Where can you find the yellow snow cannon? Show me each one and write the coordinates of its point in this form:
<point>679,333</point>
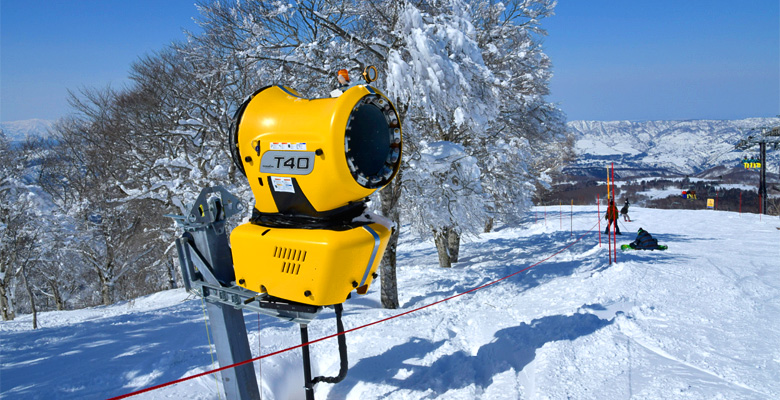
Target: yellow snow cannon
<point>311,163</point>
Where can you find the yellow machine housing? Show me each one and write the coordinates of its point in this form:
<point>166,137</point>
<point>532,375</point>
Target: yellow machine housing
<point>318,267</point>
<point>310,164</point>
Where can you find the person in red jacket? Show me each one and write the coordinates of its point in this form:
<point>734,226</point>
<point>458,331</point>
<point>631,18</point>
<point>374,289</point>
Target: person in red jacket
<point>612,217</point>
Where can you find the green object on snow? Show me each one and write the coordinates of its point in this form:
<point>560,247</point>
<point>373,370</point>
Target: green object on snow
<point>625,247</point>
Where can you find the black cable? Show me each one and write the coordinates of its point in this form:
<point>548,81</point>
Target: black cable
<point>342,352</point>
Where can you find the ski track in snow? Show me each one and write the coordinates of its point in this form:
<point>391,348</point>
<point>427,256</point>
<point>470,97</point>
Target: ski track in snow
<point>699,320</point>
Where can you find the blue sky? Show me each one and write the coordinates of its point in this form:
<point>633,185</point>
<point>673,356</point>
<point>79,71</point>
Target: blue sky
<point>665,59</point>
<point>50,46</point>
<point>612,59</point>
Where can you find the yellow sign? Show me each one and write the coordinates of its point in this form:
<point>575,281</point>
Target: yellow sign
<point>749,165</point>
<point>710,203</point>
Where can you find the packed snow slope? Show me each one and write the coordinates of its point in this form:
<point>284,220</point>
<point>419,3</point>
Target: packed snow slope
<point>698,321</point>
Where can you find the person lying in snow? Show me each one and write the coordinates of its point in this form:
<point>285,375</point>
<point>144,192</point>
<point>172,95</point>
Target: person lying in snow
<point>644,241</point>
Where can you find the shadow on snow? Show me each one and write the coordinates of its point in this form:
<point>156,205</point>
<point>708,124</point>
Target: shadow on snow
<point>486,260</point>
<point>133,351</point>
<point>511,349</point>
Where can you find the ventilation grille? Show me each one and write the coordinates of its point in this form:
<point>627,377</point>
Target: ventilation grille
<point>293,258</point>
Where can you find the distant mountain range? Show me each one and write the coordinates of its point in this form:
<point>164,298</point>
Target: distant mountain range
<point>18,131</point>
<point>663,148</point>
<point>648,148</point>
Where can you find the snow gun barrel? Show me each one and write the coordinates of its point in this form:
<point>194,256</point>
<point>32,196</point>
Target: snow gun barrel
<point>311,163</point>
<point>306,148</point>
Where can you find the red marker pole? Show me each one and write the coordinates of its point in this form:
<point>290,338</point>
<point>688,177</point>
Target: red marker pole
<point>609,240</point>
<point>740,204</point>
<point>614,198</point>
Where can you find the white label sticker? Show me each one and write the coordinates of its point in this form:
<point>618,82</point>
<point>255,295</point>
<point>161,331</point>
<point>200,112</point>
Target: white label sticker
<point>287,162</point>
<point>282,184</point>
<point>288,146</point>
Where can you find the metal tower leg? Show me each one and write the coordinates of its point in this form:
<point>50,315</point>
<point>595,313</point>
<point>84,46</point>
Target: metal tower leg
<point>762,180</point>
<point>308,385</point>
<point>204,251</point>
<point>230,340</point>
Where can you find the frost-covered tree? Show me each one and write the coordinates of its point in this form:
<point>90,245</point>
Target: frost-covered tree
<point>449,178</point>
<point>128,156</point>
<point>23,228</point>
<point>449,92</point>
<point>9,225</point>
<point>194,90</point>
<point>512,132</point>
<point>528,141</point>
<point>17,253</point>
<point>113,233</point>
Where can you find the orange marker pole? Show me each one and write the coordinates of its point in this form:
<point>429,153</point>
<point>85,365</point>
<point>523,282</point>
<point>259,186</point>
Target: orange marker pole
<point>598,215</point>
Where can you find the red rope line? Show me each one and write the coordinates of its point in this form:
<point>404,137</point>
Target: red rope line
<point>162,385</point>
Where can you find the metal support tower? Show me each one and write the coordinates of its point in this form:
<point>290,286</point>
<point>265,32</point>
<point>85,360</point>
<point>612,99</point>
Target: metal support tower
<point>768,136</point>
<point>762,180</point>
<point>205,243</point>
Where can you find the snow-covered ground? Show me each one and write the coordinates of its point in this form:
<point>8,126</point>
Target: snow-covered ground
<point>698,321</point>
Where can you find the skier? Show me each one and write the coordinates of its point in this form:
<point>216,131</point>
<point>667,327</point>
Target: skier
<point>611,217</point>
<point>624,212</point>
